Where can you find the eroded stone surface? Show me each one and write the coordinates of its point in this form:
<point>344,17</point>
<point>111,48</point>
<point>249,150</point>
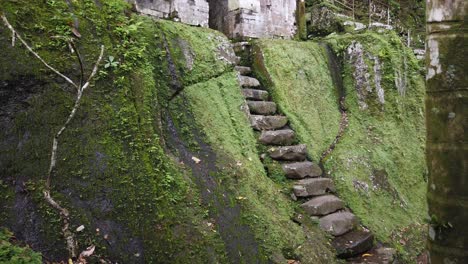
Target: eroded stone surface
<point>323,205</point>
<point>254,94</point>
<point>192,12</point>
<point>243,70</point>
<point>353,243</point>
<point>289,153</point>
<point>313,187</point>
<point>277,137</point>
<point>300,170</point>
<point>338,223</point>
<point>262,108</point>
<point>261,122</point>
<point>247,81</point>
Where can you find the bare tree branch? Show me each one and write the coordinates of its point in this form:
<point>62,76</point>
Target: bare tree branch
<point>13,31</point>
<point>64,213</point>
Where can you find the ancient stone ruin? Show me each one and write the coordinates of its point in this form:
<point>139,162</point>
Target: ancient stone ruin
<point>235,18</point>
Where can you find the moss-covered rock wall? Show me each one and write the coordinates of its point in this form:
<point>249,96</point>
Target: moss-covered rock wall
<point>159,164</point>
<point>378,164</point>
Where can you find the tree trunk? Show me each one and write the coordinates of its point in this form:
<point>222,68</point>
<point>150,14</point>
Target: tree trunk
<point>446,110</point>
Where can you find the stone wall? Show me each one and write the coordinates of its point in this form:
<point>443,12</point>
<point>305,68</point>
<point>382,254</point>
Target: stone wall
<point>235,18</point>
<point>260,18</point>
<point>192,12</point>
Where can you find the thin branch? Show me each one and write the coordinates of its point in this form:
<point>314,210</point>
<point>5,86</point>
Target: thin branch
<point>95,69</point>
<point>80,61</point>
<point>53,158</point>
<point>13,31</point>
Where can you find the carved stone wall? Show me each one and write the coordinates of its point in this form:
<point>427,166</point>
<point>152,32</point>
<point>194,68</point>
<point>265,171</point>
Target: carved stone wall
<point>192,12</point>
<point>258,18</point>
<point>235,18</point>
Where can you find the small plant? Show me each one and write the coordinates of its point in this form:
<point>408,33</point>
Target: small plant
<point>111,63</point>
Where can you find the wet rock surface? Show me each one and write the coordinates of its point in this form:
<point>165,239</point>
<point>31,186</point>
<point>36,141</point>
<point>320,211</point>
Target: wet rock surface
<point>338,223</point>
<point>289,153</point>
<point>313,187</point>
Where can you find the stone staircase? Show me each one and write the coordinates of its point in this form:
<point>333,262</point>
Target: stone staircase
<point>315,192</point>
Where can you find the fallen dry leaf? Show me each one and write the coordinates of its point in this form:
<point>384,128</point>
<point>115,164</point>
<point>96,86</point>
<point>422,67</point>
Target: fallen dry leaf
<point>196,160</point>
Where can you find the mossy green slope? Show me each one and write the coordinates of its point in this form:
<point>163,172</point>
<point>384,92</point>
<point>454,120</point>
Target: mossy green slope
<point>297,76</point>
<point>115,172</point>
<point>112,173</point>
<point>378,165</point>
<point>217,110</point>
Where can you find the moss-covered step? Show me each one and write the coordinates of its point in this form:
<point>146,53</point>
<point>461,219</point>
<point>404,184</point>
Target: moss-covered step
<point>323,205</point>
<point>339,223</point>
<point>277,137</point>
<point>262,107</point>
<point>247,81</point>
<point>301,170</point>
<point>261,122</point>
<point>289,153</point>
<point>313,187</point>
<point>255,94</point>
<point>243,70</point>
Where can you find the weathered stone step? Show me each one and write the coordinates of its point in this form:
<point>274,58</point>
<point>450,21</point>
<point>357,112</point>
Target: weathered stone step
<point>323,205</point>
<point>243,70</point>
<point>339,223</point>
<point>353,243</point>
<point>247,81</point>
<point>254,94</point>
<point>262,107</point>
<point>277,137</point>
<point>379,255</point>
<point>300,170</point>
<point>313,187</point>
<point>289,153</point>
<point>261,122</point>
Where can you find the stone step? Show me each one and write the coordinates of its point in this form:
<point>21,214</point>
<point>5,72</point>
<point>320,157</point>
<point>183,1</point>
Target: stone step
<point>277,137</point>
<point>261,122</point>
<point>300,170</point>
<point>353,243</point>
<point>313,187</point>
<point>323,205</point>
<point>289,153</point>
<point>339,223</point>
<point>247,81</point>
<point>254,94</point>
<point>262,107</point>
<point>378,255</point>
<point>243,70</point>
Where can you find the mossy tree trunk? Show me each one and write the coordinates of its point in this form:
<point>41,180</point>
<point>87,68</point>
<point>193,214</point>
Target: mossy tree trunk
<point>446,111</point>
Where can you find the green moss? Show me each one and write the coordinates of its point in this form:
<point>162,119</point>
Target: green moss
<point>15,254</point>
<point>378,166</point>
<point>112,171</point>
<point>297,76</point>
<point>216,108</point>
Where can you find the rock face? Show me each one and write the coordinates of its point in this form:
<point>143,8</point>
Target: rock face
<point>300,170</point>
<point>289,153</point>
<point>339,223</point>
<point>323,205</point>
<point>254,18</point>
<point>260,122</point>
<point>262,108</point>
<point>353,243</point>
<point>247,81</point>
<point>277,137</point>
<point>192,12</point>
<point>254,94</point>
<point>312,187</point>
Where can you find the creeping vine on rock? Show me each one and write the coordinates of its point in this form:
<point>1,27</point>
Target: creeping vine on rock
<point>80,88</point>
